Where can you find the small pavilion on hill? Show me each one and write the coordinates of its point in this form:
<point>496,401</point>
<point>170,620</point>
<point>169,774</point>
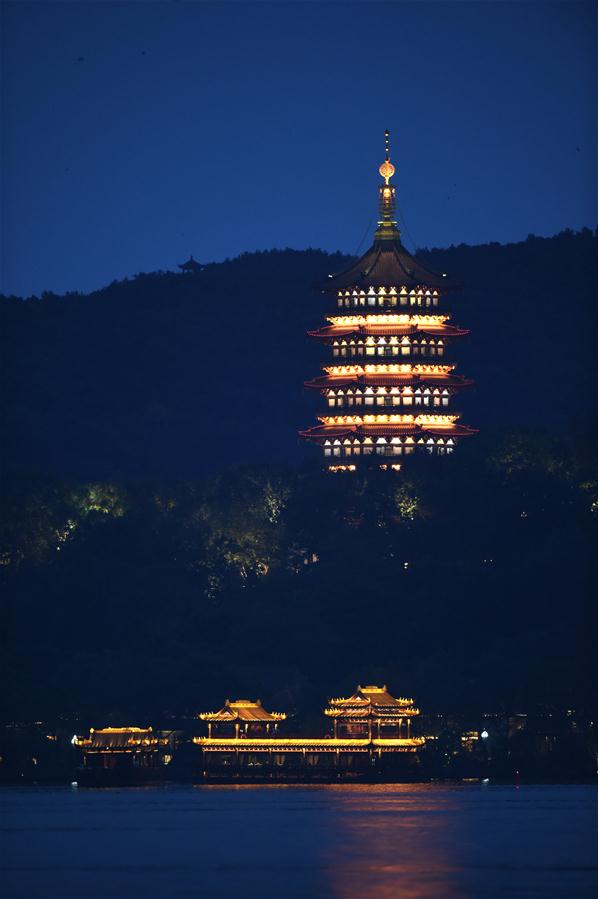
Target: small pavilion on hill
<point>191,266</point>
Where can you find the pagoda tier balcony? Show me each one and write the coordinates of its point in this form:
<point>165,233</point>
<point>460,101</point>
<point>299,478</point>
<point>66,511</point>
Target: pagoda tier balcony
<point>410,371</point>
<point>360,302</point>
<point>380,403</point>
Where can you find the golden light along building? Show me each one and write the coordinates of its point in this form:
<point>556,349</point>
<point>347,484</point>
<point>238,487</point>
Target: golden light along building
<point>124,750</point>
<point>372,712</point>
<point>389,341</point>
<point>371,735</point>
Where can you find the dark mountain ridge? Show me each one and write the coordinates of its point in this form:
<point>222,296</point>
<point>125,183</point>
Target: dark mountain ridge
<point>174,375</point>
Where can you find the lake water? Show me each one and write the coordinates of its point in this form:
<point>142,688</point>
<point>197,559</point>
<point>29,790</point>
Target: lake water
<point>274,842</point>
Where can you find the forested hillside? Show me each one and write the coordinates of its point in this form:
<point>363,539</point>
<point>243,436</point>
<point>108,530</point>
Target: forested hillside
<point>167,542</point>
<point>174,375</point>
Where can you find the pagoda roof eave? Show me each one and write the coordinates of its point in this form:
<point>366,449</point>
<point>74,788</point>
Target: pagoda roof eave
<point>319,433</point>
<point>332,331</point>
<point>386,264</point>
<point>455,381</point>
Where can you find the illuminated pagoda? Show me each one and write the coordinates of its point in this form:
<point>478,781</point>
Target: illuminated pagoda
<point>242,717</point>
<point>372,712</point>
<point>390,386</point>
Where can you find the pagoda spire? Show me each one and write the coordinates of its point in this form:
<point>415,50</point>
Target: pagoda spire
<point>387,226</point>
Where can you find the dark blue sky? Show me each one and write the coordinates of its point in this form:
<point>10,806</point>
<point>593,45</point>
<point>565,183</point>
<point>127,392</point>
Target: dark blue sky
<point>137,133</point>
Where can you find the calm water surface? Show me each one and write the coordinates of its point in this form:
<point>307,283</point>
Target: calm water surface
<point>358,842</point>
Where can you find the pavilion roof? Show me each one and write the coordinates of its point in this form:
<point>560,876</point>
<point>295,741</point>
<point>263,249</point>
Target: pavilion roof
<point>190,265</point>
<point>386,264</point>
<point>242,710</point>
<point>370,701</point>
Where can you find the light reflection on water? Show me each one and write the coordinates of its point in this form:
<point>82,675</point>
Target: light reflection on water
<point>285,842</point>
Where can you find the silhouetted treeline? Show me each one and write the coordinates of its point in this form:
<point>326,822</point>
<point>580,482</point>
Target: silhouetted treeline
<point>172,376</point>
<point>467,582</point>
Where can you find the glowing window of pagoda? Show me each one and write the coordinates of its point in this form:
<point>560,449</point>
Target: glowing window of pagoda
<point>396,441</point>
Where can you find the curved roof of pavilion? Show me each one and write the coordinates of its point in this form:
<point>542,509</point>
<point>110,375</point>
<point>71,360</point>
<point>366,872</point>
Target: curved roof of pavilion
<point>122,737</point>
<point>370,700</point>
<point>386,264</point>
<point>191,265</point>
<point>242,710</point>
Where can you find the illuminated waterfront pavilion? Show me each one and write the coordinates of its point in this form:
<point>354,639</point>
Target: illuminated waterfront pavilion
<point>391,383</point>
<point>242,717</point>
<point>371,728</point>
<point>372,712</point>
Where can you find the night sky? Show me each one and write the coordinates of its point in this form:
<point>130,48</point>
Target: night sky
<point>137,133</point>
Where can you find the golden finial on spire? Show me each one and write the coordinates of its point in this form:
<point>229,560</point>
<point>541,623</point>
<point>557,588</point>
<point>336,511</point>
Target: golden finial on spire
<point>387,169</point>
